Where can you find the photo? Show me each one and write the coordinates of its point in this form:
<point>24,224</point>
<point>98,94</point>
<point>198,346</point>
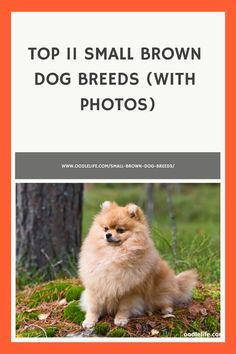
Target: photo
<point>101,261</point>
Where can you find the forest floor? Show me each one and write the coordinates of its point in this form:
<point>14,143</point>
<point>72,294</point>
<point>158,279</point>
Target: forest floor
<point>52,310</point>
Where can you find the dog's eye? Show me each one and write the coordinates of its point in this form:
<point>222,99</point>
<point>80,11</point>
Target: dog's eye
<point>106,228</point>
<point>120,230</point>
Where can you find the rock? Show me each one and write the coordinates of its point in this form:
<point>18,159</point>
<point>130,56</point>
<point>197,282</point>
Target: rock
<point>85,333</point>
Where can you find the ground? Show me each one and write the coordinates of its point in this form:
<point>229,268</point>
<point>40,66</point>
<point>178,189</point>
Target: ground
<point>52,310</point>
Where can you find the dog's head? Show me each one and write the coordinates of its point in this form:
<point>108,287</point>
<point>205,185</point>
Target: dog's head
<point>119,223</point>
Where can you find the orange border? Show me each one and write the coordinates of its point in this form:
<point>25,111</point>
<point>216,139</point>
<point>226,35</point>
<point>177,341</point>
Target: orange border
<point>228,6</point>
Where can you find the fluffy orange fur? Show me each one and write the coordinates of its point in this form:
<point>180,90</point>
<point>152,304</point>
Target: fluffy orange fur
<point>122,271</point>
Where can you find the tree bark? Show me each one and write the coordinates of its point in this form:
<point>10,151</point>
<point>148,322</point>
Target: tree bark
<point>48,226</point>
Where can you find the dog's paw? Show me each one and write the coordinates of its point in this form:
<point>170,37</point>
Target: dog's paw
<point>118,321</point>
<point>166,310</point>
<point>87,324</point>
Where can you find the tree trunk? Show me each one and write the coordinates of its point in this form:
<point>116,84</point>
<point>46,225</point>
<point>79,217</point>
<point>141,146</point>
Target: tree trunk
<point>48,227</point>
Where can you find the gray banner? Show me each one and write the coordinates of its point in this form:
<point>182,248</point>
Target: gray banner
<point>108,165</point>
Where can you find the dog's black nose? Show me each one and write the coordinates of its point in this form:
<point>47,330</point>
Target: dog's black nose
<point>108,236</point>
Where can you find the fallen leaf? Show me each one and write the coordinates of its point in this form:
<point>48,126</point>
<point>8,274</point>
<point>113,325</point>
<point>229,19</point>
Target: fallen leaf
<point>203,311</point>
<point>194,309</point>
<point>154,332</point>
<point>43,316</point>
<point>151,323</point>
<point>168,315</point>
<point>62,302</point>
<point>209,305</point>
<point>170,325</point>
<point>138,327</point>
<point>30,310</point>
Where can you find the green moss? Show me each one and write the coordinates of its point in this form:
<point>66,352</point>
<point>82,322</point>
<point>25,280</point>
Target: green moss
<point>33,333</point>
<point>73,293</point>
<point>54,291</point>
<point>212,324</point>
<point>210,291</point>
<point>49,292</point>
<point>118,332</point>
<point>25,316</point>
<point>46,332</point>
<point>73,313</point>
<point>102,328</point>
<point>51,331</point>
<point>199,295</point>
<point>213,291</point>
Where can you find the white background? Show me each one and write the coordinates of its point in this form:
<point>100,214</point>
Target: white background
<point>186,118</point>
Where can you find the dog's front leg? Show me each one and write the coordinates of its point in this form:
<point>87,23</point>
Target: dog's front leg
<point>92,311</point>
<point>124,311</point>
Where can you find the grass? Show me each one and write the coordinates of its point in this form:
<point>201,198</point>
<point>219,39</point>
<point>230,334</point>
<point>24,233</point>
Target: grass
<point>25,316</point>
<point>102,328</point>
<point>64,318</point>
<point>73,293</point>
<point>197,213</point>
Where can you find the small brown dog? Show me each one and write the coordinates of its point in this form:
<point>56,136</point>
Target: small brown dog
<point>122,271</point>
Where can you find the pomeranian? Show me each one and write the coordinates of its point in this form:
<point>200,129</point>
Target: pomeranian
<point>122,271</point>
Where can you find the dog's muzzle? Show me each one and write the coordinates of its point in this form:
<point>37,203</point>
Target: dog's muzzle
<point>111,239</point>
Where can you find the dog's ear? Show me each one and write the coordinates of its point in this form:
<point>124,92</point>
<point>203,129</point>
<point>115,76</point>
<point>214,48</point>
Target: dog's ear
<point>135,212</point>
<point>132,209</point>
<point>107,205</point>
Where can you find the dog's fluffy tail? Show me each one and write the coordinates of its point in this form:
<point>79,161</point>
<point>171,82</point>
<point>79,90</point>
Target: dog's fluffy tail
<point>186,282</point>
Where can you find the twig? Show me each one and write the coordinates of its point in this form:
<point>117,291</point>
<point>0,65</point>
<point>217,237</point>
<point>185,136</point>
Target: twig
<point>52,266</point>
